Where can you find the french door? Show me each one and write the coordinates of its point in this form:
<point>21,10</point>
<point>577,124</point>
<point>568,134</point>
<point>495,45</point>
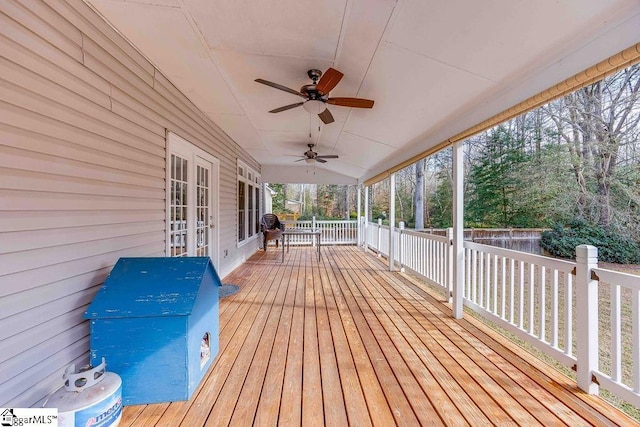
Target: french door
<point>192,200</point>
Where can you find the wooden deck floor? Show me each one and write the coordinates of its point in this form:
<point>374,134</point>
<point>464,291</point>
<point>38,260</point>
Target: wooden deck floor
<point>345,342</point>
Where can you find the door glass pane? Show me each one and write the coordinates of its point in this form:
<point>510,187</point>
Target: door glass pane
<point>202,211</point>
<point>257,210</point>
<point>250,210</point>
<point>178,206</point>
<point>241,231</point>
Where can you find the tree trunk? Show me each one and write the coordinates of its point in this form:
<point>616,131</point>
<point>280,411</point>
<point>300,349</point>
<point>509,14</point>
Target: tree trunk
<point>346,202</point>
<point>418,195</point>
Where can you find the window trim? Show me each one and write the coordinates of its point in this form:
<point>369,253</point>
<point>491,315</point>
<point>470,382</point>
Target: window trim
<point>252,182</point>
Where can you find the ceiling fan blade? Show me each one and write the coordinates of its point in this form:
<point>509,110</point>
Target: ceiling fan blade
<point>351,102</point>
<point>299,160</point>
<point>328,156</point>
<point>320,160</point>
<point>326,116</point>
<point>278,86</point>
<point>286,107</point>
<point>329,80</point>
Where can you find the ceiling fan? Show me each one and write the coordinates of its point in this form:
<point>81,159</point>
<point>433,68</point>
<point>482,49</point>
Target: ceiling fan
<point>316,95</point>
<point>311,156</point>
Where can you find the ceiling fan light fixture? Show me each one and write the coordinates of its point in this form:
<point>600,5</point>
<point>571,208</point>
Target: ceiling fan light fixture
<point>314,106</point>
<point>308,160</point>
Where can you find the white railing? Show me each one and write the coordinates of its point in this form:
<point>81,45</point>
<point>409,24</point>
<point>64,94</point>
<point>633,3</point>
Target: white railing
<point>529,295</point>
<point>618,368</point>
<point>585,317</point>
<point>427,255</point>
<point>333,232</point>
<point>378,238</point>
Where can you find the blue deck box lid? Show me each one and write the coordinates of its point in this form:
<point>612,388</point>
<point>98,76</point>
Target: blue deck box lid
<point>149,287</point>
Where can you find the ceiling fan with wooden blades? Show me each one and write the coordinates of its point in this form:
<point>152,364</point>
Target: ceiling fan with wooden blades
<point>316,95</point>
<point>311,156</point>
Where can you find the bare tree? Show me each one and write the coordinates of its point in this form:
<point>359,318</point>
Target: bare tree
<point>418,195</point>
<point>596,122</point>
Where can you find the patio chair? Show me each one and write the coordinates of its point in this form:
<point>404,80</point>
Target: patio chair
<point>272,229</point>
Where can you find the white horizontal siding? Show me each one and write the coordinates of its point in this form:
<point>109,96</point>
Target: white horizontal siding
<point>35,220</point>
<point>83,120</point>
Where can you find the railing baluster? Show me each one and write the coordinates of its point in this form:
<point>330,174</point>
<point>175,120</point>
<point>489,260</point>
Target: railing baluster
<point>512,272</point>
<point>521,297</point>
<point>481,280</point>
<point>434,256</point>
<point>430,259</point>
<point>494,272</point>
<point>487,282</point>
<point>503,286</point>
<point>436,259</point>
<point>469,279</point>
<point>616,328</point>
<point>568,314</point>
<point>417,254</point>
<point>635,330</point>
<point>440,262</point>
<point>531,297</point>
<point>542,303</point>
<point>474,279</point>
<point>554,309</point>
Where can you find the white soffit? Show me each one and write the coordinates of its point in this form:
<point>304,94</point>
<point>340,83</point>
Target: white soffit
<point>166,37</point>
<point>495,38</point>
<point>434,68</point>
<point>288,28</point>
<point>413,101</point>
<point>304,175</point>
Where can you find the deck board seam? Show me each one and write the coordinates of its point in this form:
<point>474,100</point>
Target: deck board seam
<point>366,328</point>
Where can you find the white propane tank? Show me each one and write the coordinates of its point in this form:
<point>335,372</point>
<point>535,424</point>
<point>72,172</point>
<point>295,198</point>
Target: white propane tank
<point>89,397</point>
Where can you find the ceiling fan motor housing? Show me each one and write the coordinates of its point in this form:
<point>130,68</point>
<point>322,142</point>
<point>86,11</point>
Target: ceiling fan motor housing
<point>310,154</point>
<point>311,91</point>
<point>314,74</point>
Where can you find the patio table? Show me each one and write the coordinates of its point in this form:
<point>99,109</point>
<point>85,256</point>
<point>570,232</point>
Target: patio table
<point>286,236</point>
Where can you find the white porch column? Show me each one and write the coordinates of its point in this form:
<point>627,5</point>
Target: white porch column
<point>458,230</point>
<point>392,217</point>
<point>586,317</point>
<point>366,218</point>
<point>358,218</point>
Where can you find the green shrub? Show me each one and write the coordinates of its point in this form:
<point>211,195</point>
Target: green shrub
<point>612,247</point>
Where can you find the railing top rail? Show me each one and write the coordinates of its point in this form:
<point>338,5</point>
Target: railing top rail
<point>560,265</point>
<point>631,281</point>
<point>488,229</point>
<point>376,224</point>
<point>323,221</point>
<point>427,236</point>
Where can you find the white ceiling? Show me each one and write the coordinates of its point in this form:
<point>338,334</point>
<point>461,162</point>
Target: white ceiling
<point>433,67</point>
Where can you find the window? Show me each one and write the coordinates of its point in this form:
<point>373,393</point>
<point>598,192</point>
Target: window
<point>256,210</point>
<point>241,210</point>
<point>248,203</point>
